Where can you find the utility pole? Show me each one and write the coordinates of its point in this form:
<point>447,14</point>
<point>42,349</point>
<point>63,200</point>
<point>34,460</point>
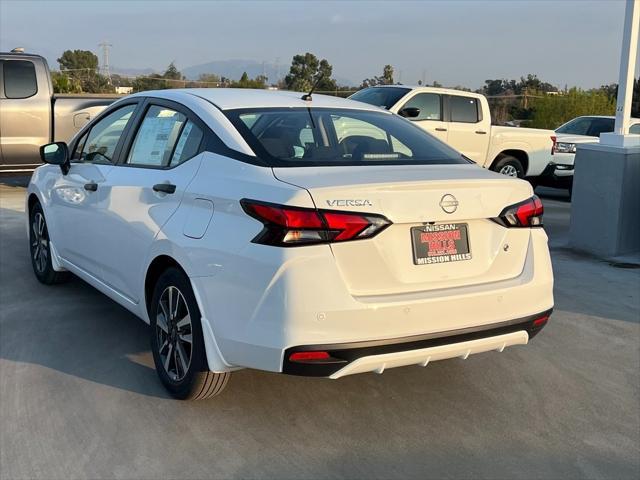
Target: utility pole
<point>105,59</point>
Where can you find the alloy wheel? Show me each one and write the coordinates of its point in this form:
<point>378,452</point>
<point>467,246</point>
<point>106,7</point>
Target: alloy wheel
<point>39,242</point>
<point>509,171</point>
<point>174,333</point>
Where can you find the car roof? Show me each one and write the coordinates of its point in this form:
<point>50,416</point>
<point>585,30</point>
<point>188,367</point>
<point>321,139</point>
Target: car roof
<point>610,117</point>
<point>237,98</point>
<point>427,89</point>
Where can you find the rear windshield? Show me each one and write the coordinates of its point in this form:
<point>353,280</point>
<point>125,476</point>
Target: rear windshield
<point>319,136</point>
<point>385,97</point>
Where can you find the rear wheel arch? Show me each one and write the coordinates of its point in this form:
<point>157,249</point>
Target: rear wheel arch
<point>33,200</point>
<point>155,269</point>
<point>520,155</point>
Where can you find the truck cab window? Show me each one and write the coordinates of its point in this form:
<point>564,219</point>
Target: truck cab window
<point>464,109</point>
<point>19,79</point>
<point>429,105</point>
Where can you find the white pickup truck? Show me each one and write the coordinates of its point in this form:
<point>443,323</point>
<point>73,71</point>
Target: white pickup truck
<point>462,120</point>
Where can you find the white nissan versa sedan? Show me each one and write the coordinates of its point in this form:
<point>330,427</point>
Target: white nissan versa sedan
<point>304,235</point>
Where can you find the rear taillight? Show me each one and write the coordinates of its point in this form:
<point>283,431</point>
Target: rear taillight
<point>554,139</point>
<point>286,226</point>
<point>522,215</point>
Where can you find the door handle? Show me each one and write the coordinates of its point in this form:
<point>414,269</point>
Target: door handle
<point>440,129</point>
<point>481,132</point>
<point>164,188</point>
<point>91,187</point>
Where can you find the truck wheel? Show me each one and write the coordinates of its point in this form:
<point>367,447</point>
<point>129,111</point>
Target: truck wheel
<point>509,166</point>
<point>177,342</point>
<point>40,249</point>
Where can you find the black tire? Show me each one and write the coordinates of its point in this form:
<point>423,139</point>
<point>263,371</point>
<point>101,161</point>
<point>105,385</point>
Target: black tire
<point>173,305</point>
<point>40,249</point>
<point>510,166</point>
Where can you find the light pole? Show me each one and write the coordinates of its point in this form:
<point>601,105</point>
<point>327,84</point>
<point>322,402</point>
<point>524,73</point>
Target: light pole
<point>628,58</point>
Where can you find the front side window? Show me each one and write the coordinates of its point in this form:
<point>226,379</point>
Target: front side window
<point>19,79</point>
<point>327,136</point>
<point>385,97</point>
<point>103,138</point>
<point>464,109</point>
<point>428,104</point>
<point>635,129</point>
<point>165,138</point>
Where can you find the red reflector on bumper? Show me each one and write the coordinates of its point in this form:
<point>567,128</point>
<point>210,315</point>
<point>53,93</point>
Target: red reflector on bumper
<point>308,356</point>
<point>538,322</point>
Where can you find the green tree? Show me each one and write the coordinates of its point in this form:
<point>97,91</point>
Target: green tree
<point>550,111</point>
<point>81,67</point>
<point>611,91</point>
<point>245,82</point>
<point>150,82</point>
<point>172,73</point>
<point>63,83</point>
<point>78,60</point>
<point>306,70</point>
<point>385,79</point>
<point>387,75</point>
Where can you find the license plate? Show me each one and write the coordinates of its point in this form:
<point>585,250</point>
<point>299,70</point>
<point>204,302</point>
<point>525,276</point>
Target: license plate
<point>441,243</point>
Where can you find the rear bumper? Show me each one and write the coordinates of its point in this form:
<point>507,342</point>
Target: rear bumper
<point>376,356</point>
<point>288,300</point>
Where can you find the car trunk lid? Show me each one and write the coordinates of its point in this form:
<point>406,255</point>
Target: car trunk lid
<point>441,197</point>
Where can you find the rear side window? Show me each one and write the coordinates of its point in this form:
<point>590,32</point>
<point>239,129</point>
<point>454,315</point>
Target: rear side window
<point>464,109</point>
<point>428,104</point>
<point>19,79</point>
<point>165,138</point>
<point>635,129</point>
<point>601,125</point>
<point>325,136</point>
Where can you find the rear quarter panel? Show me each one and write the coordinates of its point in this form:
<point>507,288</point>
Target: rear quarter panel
<point>71,113</point>
<point>534,142</point>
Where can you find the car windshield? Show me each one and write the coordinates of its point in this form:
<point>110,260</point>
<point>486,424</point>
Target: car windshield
<point>322,136</point>
<point>385,97</point>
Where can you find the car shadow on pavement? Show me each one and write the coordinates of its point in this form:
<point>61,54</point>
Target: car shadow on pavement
<point>70,327</point>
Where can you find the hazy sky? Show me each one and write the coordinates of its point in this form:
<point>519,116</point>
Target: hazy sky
<point>454,42</point>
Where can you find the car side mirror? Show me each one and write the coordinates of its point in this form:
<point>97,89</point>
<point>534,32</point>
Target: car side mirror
<point>409,112</point>
<point>56,154</point>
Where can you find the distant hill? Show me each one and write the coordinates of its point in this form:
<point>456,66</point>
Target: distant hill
<point>134,72</point>
<point>234,69</point>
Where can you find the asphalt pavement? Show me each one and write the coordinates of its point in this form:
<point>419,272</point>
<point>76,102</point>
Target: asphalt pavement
<point>79,397</point>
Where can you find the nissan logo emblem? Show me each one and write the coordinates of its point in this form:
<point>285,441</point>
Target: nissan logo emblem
<point>448,203</point>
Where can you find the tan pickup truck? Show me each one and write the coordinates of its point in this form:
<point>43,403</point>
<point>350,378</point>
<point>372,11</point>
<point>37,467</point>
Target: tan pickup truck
<point>31,115</point>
